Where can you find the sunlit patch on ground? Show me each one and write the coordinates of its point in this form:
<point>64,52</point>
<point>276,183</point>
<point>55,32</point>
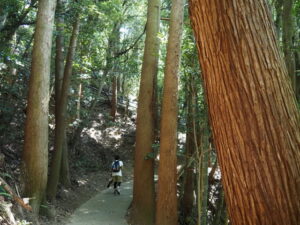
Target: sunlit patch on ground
<point>94,134</point>
<point>82,182</point>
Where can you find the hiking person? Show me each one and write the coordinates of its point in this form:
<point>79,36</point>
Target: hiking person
<point>117,174</point>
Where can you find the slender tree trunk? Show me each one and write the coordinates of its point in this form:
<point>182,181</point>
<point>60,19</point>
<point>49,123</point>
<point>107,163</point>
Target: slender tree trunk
<point>287,40</point>
<point>114,98</point>
<point>12,71</point>
<point>79,100</point>
<point>65,171</point>
<point>109,61</point>
<point>59,57</point>
<point>278,20</point>
<point>188,193</point>
<point>100,88</point>
<point>116,75</point>
<point>166,210</point>
<point>143,188</point>
<point>252,109</point>
<point>127,107</point>
<point>203,169</point>
<point>60,126</point>
<point>220,217</point>
<point>59,74</point>
<point>3,18</point>
<point>119,84</point>
<point>199,142</point>
<point>106,70</point>
<point>35,153</point>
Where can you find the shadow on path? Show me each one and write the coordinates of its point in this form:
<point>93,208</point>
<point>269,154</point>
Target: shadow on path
<point>105,208</point>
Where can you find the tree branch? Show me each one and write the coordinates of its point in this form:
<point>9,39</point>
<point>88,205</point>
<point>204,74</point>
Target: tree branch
<point>15,197</point>
<point>116,55</point>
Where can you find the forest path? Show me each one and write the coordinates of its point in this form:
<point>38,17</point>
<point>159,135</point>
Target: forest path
<point>105,208</point>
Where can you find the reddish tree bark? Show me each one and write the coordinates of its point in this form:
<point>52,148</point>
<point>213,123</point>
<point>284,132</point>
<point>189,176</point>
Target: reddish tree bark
<point>166,207</point>
<point>252,110</point>
<point>143,207</point>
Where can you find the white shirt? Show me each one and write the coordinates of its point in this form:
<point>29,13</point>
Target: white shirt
<point>120,172</point>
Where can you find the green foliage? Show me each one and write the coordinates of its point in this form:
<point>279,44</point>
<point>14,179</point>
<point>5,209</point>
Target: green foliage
<point>153,155</point>
<point>150,155</point>
<point>5,175</point>
<point>23,222</point>
<point>3,192</point>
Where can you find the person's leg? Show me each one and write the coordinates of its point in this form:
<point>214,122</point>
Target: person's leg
<point>109,182</point>
<point>115,180</point>
<point>119,179</point>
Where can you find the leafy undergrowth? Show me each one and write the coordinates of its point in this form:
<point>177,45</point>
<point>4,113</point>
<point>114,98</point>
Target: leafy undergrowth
<point>89,168</point>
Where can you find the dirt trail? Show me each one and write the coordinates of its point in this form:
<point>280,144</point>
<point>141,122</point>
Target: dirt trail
<point>105,208</point>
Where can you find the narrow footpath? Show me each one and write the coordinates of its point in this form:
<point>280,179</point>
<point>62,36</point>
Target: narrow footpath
<point>105,208</point>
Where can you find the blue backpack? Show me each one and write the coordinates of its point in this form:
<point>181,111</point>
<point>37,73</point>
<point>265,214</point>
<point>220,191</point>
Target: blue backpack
<point>116,166</point>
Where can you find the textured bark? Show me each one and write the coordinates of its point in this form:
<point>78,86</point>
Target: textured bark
<point>156,108</point>
<point>252,110</point>
<point>287,40</point>
<point>166,208</point>
<point>298,88</point>
<point>60,126</point>
<point>143,189</point>
<point>65,171</point>
<point>59,56</point>
<point>59,74</point>
<point>35,153</point>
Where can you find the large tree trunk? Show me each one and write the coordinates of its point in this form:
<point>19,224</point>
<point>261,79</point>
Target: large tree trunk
<point>166,210</point>
<point>35,153</point>
<point>143,189</point>
<point>252,110</point>
<point>60,126</point>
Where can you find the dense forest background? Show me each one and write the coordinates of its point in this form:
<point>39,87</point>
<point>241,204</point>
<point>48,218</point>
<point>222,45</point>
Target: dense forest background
<point>96,66</point>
